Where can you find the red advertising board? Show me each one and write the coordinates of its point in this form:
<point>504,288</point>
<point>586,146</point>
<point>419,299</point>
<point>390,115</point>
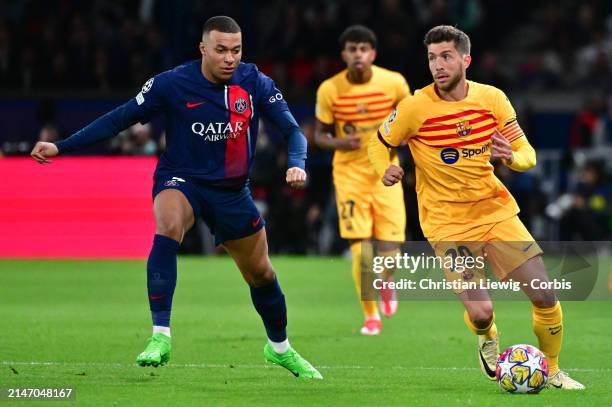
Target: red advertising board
<point>76,207</point>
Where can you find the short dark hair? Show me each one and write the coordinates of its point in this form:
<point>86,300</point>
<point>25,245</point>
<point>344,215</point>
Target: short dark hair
<point>444,33</point>
<point>222,24</point>
<point>357,33</point>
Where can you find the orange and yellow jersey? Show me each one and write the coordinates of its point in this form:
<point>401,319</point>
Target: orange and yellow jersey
<point>359,108</point>
<point>450,143</point>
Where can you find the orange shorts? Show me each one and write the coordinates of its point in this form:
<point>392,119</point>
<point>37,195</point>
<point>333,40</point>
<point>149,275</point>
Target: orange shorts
<point>371,210</point>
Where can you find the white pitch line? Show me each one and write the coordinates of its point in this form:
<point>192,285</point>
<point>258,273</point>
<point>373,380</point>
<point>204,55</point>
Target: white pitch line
<point>237,366</point>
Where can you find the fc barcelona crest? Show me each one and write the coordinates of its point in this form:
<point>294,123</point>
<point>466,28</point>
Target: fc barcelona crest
<point>362,107</point>
<point>240,105</point>
<point>463,128</point>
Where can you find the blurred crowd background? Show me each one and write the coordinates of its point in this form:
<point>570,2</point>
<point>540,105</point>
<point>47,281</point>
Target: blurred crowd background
<point>65,62</point>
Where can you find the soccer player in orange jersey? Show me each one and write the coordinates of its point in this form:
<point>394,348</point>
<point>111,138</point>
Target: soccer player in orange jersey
<point>454,127</point>
<point>351,105</point>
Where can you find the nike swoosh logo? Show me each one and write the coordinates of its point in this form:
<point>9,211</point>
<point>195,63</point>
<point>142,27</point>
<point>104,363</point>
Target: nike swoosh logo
<point>488,371</point>
<point>190,105</point>
<point>527,247</point>
<point>558,387</point>
<point>156,297</point>
<point>255,223</point>
<point>554,331</point>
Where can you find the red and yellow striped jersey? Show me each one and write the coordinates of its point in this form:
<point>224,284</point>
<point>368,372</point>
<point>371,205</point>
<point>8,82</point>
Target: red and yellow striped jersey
<point>359,108</point>
<point>450,143</point>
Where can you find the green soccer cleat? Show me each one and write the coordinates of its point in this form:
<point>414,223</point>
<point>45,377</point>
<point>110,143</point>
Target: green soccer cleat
<point>293,362</point>
<point>157,351</point>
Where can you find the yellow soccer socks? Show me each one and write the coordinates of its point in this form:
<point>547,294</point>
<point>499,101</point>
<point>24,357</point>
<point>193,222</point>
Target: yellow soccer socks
<point>362,269</point>
<point>548,327</point>
<point>489,332</point>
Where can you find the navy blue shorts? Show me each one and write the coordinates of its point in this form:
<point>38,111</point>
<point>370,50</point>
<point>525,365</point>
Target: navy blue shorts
<point>229,213</point>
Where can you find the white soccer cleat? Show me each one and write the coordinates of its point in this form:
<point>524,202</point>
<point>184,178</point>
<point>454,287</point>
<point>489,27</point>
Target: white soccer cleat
<point>562,380</point>
<point>488,353</point>
<point>371,327</point>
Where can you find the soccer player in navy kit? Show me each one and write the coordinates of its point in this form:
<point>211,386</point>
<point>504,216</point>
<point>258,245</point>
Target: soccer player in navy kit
<point>212,108</point>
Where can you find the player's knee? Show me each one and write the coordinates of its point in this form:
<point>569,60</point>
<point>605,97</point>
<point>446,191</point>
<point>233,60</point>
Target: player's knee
<point>482,314</point>
<point>384,246</point>
<point>262,274</point>
<point>171,227</point>
<point>545,299</point>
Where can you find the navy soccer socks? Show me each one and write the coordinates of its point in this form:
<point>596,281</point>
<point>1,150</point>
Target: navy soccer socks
<point>161,278</point>
<point>269,302</point>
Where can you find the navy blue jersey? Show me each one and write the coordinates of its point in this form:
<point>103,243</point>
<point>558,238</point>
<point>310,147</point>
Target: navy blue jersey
<point>211,129</point>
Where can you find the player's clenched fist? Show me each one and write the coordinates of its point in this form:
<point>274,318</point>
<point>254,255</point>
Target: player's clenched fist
<point>501,148</point>
<point>393,175</point>
<point>43,150</point>
<point>296,177</point>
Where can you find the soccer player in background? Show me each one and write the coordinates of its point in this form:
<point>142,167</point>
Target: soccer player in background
<point>212,108</point>
<point>454,127</point>
<point>351,105</point>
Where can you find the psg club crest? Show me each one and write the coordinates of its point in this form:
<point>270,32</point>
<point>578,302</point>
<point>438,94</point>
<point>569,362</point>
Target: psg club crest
<point>240,105</point>
<point>463,128</point>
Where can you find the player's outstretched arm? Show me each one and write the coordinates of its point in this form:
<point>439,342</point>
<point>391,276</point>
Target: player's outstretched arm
<point>139,109</point>
<point>42,151</point>
<point>104,127</point>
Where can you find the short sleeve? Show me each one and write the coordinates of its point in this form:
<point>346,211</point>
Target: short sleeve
<point>399,125</point>
<point>323,108</point>
<point>150,99</point>
<point>270,99</point>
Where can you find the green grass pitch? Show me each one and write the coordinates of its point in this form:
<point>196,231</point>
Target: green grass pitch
<point>82,323</point>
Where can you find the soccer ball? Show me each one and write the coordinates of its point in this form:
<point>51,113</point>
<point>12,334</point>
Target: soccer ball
<point>522,369</point>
